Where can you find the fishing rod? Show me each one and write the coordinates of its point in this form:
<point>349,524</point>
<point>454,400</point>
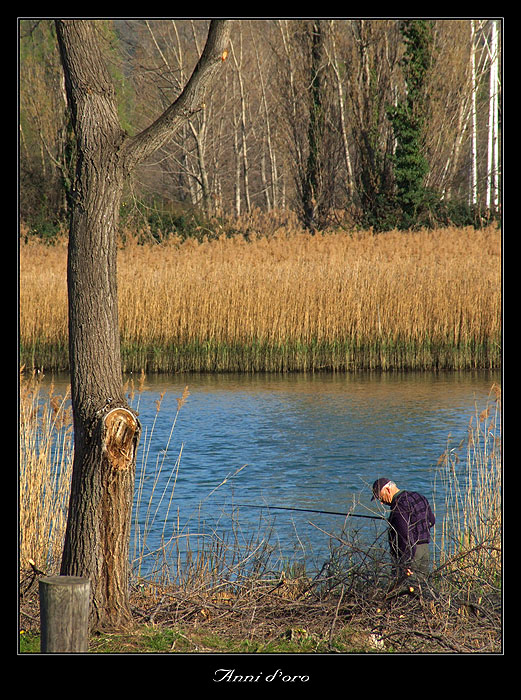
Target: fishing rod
<point>309,510</point>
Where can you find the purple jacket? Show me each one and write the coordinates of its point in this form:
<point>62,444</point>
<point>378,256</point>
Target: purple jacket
<point>410,521</point>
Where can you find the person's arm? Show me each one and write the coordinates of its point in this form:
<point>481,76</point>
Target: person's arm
<point>399,521</point>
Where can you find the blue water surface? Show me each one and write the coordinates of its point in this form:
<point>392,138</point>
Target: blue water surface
<point>305,441</point>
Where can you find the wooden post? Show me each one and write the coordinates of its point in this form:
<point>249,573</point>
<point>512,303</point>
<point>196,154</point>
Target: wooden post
<point>64,614</point>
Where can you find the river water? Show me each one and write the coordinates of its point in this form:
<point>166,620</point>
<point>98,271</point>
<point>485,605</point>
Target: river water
<point>306,441</point>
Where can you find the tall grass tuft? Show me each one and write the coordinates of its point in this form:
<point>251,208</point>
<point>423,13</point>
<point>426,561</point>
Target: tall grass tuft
<point>46,453</point>
<point>470,476</point>
<point>286,301</point>
<point>187,557</point>
<point>142,527</point>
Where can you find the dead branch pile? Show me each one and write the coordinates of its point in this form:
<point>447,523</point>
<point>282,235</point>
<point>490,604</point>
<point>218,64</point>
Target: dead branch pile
<point>454,611</point>
<point>440,615</point>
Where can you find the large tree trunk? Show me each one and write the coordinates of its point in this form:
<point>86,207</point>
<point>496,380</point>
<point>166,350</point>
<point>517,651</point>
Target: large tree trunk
<point>106,431</point>
<point>97,535</point>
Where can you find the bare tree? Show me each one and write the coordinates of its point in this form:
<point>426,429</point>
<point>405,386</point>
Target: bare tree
<point>106,430</point>
<point>271,185</point>
<point>473,193</point>
<point>334,62</point>
<point>237,56</point>
<point>372,58</point>
<point>493,139</point>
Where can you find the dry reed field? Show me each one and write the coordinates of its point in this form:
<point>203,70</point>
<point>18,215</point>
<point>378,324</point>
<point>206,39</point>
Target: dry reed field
<point>288,301</point>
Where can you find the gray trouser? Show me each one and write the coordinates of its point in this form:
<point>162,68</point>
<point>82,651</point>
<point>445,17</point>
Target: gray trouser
<point>419,565</point>
<point>421,561</point>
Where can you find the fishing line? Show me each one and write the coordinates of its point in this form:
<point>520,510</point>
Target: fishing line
<point>305,510</point>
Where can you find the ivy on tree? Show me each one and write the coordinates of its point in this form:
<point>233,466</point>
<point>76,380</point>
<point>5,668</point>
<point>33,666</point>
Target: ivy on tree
<point>408,122</point>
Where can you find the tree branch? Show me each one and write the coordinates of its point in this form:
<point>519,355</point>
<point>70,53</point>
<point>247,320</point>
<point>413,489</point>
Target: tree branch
<point>137,148</point>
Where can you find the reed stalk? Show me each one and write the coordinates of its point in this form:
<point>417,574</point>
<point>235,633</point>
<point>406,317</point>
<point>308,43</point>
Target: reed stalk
<point>470,475</point>
<point>46,454</point>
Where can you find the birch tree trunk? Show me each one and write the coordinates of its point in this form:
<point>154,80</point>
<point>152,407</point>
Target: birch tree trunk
<point>270,185</point>
<point>341,110</point>
<point>202,179</point>
<point>244,145</point>
<point>492,157</point>
<point>474,127</point>
<point>106,430</point>
<point>495,146</point>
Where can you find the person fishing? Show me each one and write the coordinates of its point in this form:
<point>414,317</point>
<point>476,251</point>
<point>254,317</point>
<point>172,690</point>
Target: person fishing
<point>410,521</point>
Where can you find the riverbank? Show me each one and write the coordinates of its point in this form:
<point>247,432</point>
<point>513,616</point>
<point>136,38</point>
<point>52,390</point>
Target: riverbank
<point>330,614</point>
<point>289,301</point>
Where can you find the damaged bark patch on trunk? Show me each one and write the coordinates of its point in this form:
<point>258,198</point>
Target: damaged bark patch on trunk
<point>120,436</point>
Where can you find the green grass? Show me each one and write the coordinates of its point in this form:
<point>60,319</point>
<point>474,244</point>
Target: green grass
<point>29,642</point>
<point>151,639</point>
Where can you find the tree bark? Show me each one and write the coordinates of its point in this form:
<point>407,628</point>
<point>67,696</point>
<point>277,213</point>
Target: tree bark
<point>244,144</point>
<point>492,158</point>
<point>341,111</point>
<point>474,133</point>
<point>106,430</point>
<point>312,185</point>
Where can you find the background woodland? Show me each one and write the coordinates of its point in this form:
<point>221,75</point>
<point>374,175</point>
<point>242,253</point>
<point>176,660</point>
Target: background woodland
<point>368,123</point>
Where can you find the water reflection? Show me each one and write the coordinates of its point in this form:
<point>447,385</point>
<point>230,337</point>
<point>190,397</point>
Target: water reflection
<point>314,441</point>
